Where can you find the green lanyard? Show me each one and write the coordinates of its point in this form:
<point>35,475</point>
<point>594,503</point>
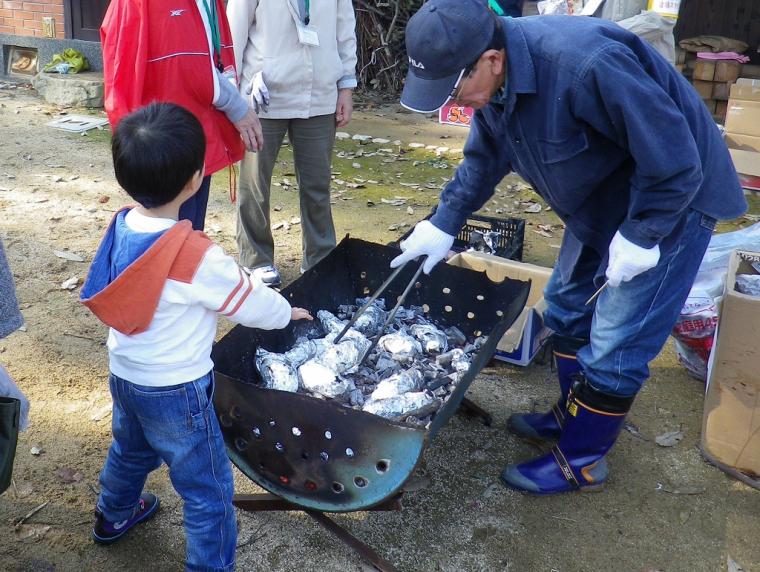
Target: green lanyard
<point>307,6</point>
<point>213,22</point>
<point>494,5</point>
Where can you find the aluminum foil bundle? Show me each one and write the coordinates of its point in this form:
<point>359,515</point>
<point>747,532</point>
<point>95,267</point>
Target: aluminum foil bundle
<point>344,356</point>
<point>455,360</point>
<point>402,347</point>
<point>304,351</point>
<point>412,371</point>
<point>398,384</point>
<point>330,322</point>
<point>417,404</point>
<point>432,339</point>
<point>276,371</point>
<point>320,380</point>
<point>370,322</point>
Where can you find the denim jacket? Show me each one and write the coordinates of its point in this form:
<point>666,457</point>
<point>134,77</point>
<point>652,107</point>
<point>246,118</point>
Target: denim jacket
<point>607,132</point>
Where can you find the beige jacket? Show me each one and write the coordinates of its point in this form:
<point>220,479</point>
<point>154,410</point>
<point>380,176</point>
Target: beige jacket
<point>302,80</point>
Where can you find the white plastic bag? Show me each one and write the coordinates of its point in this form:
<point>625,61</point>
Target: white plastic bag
<point>546,7</point>
<point>8,388</point>
<point>695,329</point>
<point>655,31</point>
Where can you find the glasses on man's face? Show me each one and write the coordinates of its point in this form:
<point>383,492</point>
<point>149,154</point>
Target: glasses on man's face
<point>456,92</point>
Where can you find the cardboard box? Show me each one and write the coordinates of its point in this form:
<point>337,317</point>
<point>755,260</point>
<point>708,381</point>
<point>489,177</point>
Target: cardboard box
<point>745,152</point>
<point>746,89</point>
<point>526,336</point>
<point>711,105</point>
<point>727,70</point>
<point>704,70</point>
<point>721,107</point>
<point>743,117</point>
<point>731,420</point>
<point>704,88</point>
<point>721,90</point>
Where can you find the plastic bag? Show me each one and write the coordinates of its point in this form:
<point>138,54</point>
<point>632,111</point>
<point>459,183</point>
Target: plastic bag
<point>748,284</point>
<point>655,31</point>
<point>694,330</point>
<point>547,7</point>
<point>617,10</point>
<point>8,388</point>
<point>74,58</point>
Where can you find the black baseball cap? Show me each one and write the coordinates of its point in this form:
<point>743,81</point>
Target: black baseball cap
<point>443,39</point>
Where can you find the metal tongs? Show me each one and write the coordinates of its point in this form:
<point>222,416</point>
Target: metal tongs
<point>374,297</point>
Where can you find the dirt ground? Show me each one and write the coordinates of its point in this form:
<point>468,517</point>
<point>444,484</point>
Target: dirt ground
<point>663,509</point>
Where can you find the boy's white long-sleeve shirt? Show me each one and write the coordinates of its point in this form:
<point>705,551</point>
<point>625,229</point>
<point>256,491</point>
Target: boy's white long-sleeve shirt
<point>176,346</point>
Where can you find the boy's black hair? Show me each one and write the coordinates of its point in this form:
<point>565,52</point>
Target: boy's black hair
<point>156,151</point>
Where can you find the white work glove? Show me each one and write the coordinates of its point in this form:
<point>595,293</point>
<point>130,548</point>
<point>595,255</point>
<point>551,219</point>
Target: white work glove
<point>628,260</point>
<point>426,240</point>
<point>258,93</point>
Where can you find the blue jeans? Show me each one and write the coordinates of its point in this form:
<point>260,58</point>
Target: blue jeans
<point>177,425</point>
<point>194,208</point>
<point>627,325</point>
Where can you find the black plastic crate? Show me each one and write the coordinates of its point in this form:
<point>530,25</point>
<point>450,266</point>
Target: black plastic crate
<point>509,244</point>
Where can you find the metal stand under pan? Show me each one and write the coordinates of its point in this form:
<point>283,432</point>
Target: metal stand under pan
<point>318,456</point>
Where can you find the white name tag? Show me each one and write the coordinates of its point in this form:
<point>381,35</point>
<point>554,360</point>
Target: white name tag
<point>308,36</point>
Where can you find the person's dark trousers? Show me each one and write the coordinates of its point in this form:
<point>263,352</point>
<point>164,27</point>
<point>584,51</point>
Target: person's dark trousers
<point>194,208</point>
<point>10,414</point>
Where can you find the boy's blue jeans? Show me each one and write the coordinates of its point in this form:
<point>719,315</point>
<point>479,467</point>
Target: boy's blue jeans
<point>177,425</point>
<point>627,325</point>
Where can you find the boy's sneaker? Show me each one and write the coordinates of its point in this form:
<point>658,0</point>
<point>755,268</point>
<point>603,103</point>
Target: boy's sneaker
<point>106,532</point>
<point>267,274</point>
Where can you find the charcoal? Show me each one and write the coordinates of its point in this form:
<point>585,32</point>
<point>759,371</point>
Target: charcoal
<point>345,311</point>
<point>440,392</point>
<point>356,398</point>
<point>455,336</point>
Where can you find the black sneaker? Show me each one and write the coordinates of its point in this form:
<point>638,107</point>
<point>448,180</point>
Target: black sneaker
<point>106,532</point>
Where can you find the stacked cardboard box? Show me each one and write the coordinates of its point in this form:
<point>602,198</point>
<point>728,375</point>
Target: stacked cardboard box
<point>731,419</point>
<point>743,130</point>
<point>713,79</point>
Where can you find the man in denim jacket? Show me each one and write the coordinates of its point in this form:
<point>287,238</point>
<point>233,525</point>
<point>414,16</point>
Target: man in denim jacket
<point>623,149</point>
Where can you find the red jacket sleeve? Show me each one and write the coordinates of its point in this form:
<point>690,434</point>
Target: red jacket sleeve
<point>124,42</point>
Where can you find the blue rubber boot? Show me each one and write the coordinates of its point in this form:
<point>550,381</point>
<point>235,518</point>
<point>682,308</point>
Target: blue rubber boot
<point>547,426</point>
<point>577,462</point>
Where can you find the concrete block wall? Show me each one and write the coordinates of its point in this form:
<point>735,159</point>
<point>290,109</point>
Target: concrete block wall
<point>22,18</point>
<point>46,47</point>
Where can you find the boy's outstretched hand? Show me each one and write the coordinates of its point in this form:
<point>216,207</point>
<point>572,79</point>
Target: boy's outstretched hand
<point>300,314</point>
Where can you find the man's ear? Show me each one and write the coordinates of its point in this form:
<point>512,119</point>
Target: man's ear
<point>495,59</point>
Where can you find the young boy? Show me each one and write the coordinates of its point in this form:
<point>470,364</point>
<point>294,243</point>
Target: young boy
<point>160,285</point>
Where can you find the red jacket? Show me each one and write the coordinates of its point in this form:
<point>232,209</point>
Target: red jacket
<point>158,50</point>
